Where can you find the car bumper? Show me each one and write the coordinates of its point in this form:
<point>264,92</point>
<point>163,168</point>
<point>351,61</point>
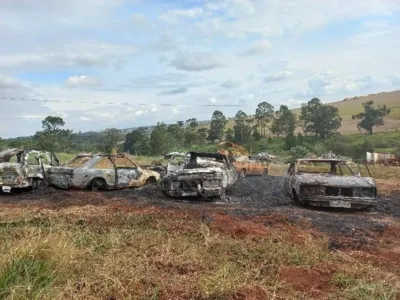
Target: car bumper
<point>8,187</point>
<point>342,202</point>
<point>194,192</point>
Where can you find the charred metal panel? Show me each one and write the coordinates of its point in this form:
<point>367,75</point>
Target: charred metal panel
<point>204,174</point>
<point>19,168</point>
<point>90,172</point>
<point>332,188</point>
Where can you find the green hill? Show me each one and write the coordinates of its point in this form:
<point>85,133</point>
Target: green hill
<point>351,106</point>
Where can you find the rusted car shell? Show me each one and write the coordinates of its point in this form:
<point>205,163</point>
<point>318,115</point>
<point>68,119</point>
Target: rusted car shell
<point>328,190</point>
<point>22,173</point>
<point>87,176</point>
<point>252,167</point>
<point>204,179</point>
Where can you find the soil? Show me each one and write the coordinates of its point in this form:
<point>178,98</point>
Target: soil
<point>253,198</point>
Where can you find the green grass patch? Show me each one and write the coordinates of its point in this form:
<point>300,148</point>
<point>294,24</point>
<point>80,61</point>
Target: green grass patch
<point>26,278</point>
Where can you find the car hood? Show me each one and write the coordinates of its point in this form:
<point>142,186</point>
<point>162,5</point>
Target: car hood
<point>60,170</point>
<point>200,171</point>
<point>339,181</point>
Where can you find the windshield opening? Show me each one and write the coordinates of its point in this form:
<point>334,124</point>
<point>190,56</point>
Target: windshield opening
<point>326,167</point>
<point>78,161</point>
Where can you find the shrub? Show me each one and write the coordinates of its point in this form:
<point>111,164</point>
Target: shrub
<point>296,153</point>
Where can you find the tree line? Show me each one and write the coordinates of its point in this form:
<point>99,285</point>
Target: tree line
<point>315,119</point>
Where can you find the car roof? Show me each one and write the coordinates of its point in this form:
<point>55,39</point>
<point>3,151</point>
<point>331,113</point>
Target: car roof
<point>321,160</point>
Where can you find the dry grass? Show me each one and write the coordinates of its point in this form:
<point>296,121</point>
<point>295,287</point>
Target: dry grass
<point>126,253</point>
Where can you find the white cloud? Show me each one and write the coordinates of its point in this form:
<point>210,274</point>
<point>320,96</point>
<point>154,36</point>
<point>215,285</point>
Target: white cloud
<point>330,83</point>
<point>72,55</point>
<point>176,15</point>
<point>175,110</point>
<point>173,53</point>
<point>258,48</point>
<point>279,76</point>
<point>212,100</point>
<point>7,82</point>
<point>194,61</point>
<point>82,80</point>
<point>231,84</point>
<point>176,91</point>
<point>32,117</point>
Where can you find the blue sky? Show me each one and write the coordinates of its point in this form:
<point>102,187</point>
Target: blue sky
<point>187,53</point>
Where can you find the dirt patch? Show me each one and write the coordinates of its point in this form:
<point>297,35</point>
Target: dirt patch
<point>388,186</point>
<point>250,293</point>
<point>237,228</point>
<point>314,282</point>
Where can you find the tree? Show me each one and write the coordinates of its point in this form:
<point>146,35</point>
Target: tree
<point>161,141</point>
<point>192,122</point>
<point>290,141</point>
<point>323,120</point>
<point>52,124</point>
<point>202,134</point>
<point>217,126</point>
<point>372,116</point>
<point>229,135</point>
<point>296,153</point>
<point>264,114</point>
<point>300,139</point>
<point>285,122</point>
<point>53,137</point>
<point>177,134</point>
<point>241,130</point>
<point>110,138</point>
<point>132,139</point>
<point>190,133</point>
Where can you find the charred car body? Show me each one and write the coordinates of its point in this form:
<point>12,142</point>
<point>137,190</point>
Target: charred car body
<point>21,168</point>
<point>245,164</point>
<point>171,162</point>
<point>204,174</point>
<point>248,166</point>
<point>101,171</point>
<point>329,183</point>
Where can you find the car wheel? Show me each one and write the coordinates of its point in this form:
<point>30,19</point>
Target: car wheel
<point>265,173</point>
<point>151,181</point>
<point>98,184</point>
<point>242,173</point>
<point>38,184</point>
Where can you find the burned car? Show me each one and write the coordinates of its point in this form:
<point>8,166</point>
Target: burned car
<point>22,168</point>
<point>329,183</point>
<point>204,174</point>
<point>248,166</point>
<point>101,171</point>
<point>170,163</point>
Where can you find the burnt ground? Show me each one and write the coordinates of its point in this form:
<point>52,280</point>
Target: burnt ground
<point>252,197</point>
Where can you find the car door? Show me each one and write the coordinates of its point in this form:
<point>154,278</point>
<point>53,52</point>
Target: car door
<point>128,173</point>
<point>103,167</point>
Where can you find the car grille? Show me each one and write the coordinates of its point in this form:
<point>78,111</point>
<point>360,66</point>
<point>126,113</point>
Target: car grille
<point>8,177</point>
<point>333,191</point>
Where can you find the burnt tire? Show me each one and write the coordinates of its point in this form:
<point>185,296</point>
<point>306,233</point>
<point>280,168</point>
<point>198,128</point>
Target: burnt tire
<point>265,173</point>
<point>296,199</point>
<point>151,181</point>
<point>98,184</point>
<point>39,184</point>
<point>242,173</point>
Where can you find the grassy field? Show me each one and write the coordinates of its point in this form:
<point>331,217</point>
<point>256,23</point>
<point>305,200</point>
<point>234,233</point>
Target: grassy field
<point>353,106</point>
<point>122,252</point>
